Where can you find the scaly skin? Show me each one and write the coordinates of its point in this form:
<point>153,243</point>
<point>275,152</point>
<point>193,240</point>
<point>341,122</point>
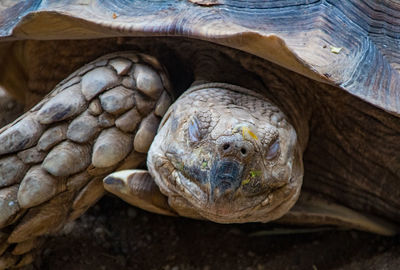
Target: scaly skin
<point>227,154</point>
<point>102,118</point>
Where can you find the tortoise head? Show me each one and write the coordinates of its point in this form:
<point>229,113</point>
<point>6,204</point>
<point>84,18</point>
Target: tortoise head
<point>227,154</point>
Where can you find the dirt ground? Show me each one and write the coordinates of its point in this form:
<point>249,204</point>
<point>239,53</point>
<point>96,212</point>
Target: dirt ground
<point>114,235</point>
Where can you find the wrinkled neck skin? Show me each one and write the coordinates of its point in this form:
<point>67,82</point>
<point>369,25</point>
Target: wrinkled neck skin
<point>228,154</point>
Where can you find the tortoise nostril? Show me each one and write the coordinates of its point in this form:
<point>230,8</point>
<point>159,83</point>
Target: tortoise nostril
<point>235,148</point>
<point>226,146</point>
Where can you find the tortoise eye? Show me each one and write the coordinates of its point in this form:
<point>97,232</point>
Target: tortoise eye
<point>273,150</point>
<point>194,130</point>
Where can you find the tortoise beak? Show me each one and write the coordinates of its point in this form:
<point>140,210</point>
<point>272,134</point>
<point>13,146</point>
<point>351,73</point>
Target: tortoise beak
<point>225,178</point>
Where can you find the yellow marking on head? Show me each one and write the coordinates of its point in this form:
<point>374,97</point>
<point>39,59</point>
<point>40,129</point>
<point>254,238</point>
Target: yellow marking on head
<point>246,130</point>
<point>245,182</point>
<point>204,164</point>
<point>255,173</point>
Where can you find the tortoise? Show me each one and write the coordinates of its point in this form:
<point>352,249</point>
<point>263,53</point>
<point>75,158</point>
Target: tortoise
<point>284,111</point>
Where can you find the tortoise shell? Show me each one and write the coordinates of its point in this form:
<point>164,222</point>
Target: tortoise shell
<point>351,44</point>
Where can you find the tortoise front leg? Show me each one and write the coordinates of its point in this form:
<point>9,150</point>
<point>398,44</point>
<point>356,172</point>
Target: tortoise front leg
<point>53,158</point>
<point>138,188</point>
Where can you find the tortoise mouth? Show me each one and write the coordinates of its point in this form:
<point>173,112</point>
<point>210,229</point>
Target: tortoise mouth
<point>198,196</point>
